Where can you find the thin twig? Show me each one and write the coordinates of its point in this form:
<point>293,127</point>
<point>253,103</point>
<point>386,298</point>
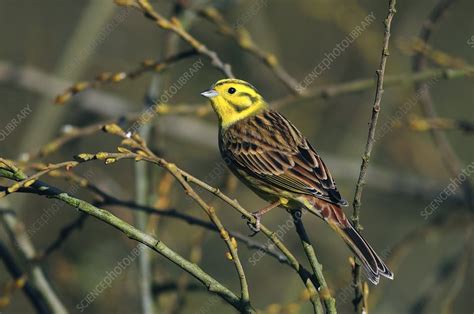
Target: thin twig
<point>195,255</point>
<point>74,57</point>
<point>142,196</point>
<point>449,221</point>
<point>106,78</point>
<point>133,233</point>
<point>293,262</point>
<point>242,37</point>
<point>31,179</point>
<point>19,237</point>
<point>33,295</point>
<point>173,213</point>
<point>430,124</point>
<point>323,289</point>
<point>447,153</point>
<point>332,90</point>
<point>460,275</point>
<point>175,26</point>
<point>143,153</point>
<point>435,56</point>
<point>439,287</point>
<point>63,236</point>
<point>369,146</point>
<point>34,80</point>
<point>108,200</point>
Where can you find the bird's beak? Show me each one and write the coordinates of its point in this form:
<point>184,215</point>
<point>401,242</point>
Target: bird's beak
<point>209,93</point>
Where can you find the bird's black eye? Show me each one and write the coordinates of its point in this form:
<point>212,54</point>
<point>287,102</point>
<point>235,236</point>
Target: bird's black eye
<point>231,90</point>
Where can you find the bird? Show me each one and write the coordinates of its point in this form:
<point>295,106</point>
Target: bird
<point>275,160</point>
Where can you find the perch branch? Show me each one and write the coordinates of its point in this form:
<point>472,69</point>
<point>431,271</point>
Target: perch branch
<point>110,201</point>
<point>139,143</point>
<point>143,153</point>
<point>358,293</point>
<point>324,292</point>
<point>212,284</point>
<point>173,213</point>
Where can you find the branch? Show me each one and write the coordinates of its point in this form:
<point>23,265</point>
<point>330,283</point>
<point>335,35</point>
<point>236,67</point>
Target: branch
<point>175,26</point>
<point>173,213</point>
<point>112,106</point>
<point>431,124</point>
<point>141,152</point>
<point>438,57</point>
<point>108,200</point>
<point>106,78</point>
<point>242,38</point>
<point>448,155</point>
<point>332,90</point>
<point>21,281</point>
<point>64,234</point>
<point>449,221</point>
<point>28,181</point>
<point>324,292</point>
<point>379,178</point>
<point>439,286</point>
<point>212,284</point>
<point>144,152</point>
<point>358,293</point>
<point>17,233</point>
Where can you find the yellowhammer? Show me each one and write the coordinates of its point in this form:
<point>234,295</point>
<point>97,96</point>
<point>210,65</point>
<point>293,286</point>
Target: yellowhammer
<point>271,156</point>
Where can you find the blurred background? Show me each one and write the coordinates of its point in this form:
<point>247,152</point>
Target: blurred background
<point>409,213</point>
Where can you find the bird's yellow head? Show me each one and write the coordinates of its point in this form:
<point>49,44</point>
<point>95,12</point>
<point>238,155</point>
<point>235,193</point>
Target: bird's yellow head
<point>234,100</point>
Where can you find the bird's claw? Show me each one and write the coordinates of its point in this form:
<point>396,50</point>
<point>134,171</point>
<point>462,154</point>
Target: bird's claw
<point>255,227</point>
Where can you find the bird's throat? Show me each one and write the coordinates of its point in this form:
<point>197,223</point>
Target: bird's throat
<point>229,114</point>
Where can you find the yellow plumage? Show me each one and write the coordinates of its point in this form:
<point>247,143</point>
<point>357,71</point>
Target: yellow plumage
<point>271,156</point>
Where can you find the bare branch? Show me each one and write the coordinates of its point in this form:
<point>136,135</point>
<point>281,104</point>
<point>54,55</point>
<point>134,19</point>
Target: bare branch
<point>243,38</point>
<point>447,153</point>
<point>369,146</point>
<point>175,26</point>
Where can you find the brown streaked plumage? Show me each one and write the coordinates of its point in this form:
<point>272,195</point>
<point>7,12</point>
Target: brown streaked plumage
<point>270,148</point>
<point>271,156</point>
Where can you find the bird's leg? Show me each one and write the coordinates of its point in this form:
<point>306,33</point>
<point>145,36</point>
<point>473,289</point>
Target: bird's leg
<point>258,216</point>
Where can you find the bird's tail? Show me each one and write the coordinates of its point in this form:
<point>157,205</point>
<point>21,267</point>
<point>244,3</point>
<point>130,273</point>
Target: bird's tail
<point>335,217</point>
<point>373,264</point>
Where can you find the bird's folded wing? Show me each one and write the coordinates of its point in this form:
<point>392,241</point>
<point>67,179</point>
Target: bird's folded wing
<point>269,148</point>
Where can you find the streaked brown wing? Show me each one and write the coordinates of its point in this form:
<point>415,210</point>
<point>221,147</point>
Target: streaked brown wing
<point>270,148</point>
